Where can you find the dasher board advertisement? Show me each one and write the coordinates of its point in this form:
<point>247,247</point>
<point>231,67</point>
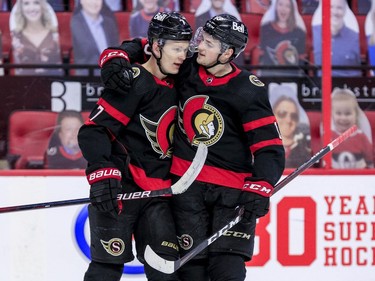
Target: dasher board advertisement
<point>320,227</point>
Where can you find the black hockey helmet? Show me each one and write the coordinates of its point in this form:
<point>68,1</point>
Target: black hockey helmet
<point>229,30</point>
<point>169,26</point>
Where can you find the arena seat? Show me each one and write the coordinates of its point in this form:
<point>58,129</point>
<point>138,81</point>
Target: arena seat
<point>128,5</point>
<point>309,47</point>
<point>315,118</point>
<point>190,17</point>
<point>123,24</point>
<point>65,35</point>
<point>252,22</point>
<point>5,35</point>
<point>371,118</point>
<point>362,37</point>
<point>254,6</point>
<point>361,7</point>
<point>28,137</point>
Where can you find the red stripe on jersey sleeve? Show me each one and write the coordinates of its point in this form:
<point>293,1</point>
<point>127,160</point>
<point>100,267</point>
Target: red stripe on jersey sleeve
<point>259,123</point>
<point>265,143</point>
<point>118,115</point>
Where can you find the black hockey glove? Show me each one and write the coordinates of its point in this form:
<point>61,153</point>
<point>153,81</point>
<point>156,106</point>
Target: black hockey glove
<point>105,184</point>
<point>256,196</point>
<point>116,70</point>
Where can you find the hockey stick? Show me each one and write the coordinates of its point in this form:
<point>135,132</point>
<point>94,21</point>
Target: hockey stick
<point>168,267</point>
<point>319,155</point>
<point>177,188</point>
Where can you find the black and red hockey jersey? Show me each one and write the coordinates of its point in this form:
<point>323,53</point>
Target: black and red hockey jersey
<point>138,126</point>
<point>233,117</point>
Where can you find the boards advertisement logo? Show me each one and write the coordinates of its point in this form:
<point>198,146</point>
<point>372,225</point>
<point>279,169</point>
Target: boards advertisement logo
<point>66,96</point>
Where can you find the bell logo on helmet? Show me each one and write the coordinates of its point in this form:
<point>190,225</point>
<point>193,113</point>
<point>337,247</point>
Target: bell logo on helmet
<point>238,27</point>
<point>160,16</point>
<point>219,18</point>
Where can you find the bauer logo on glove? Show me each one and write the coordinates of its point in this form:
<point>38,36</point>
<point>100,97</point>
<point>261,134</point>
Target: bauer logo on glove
<point>105,185</point>
<point>104,173</point>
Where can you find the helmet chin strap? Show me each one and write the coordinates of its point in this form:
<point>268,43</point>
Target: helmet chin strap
<point>158,61</point>
<point>217,62</point>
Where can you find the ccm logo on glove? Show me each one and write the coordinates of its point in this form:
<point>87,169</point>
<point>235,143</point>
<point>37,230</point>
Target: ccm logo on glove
<point>109,54</point>
<point>105,173</point>
<point>262,188</point>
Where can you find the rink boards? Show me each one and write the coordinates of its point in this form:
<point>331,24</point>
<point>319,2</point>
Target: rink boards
<point>321,227</point>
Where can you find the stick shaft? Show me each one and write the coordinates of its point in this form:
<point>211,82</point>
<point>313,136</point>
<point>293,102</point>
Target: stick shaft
<point>62,203</point>
<point>179,187</point>
<point>332,145</point>
<point>168,267</point>
<point>44,205</point>
<point>212,238</point>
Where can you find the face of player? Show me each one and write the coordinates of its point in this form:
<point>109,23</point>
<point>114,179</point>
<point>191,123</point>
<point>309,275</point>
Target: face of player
<point>287,118</point>
<point>92,7</point>
<point>68,133</point>
<point>209,49</point>
<point>343,114</point>
<point>32,10</point>
<point>338,8</point>
<point>283,10</point>
<point>174,54</point>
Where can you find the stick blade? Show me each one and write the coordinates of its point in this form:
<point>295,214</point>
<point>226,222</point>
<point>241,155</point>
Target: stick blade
<point>157,262</point>
<point>191,174</point>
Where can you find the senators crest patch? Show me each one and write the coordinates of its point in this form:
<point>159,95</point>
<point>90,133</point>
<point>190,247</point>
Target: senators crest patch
<point>136,71</point>
<point>255,80</point>
<point>114,247</point>
<point>185,241</point>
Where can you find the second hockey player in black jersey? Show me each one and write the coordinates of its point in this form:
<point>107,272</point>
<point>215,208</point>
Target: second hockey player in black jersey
<point>127,143</point>
<point>227,109</point>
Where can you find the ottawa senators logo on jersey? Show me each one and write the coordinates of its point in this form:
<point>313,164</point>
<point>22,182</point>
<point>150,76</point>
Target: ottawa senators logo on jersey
<point>160,133</point>
<point>136,72</point>
<point>200,121</point>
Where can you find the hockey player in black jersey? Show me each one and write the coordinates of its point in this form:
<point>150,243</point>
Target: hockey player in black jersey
<point>227,109</point>
<point>127,143</point>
